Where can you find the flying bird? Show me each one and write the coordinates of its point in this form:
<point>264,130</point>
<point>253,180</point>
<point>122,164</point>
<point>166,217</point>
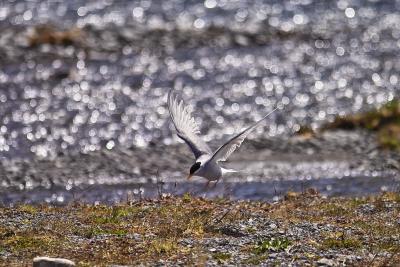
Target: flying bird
<point>207,161</point>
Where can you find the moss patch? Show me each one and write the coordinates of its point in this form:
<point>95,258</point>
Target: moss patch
<point>221,257</point>
<point>385,121</point>
<point>340,240</point>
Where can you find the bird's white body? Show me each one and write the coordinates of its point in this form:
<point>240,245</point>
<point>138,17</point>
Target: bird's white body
<point>206,164</point>
<point>210,169</point>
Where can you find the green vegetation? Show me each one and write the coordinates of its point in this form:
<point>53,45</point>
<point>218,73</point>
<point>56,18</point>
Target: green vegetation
<point>28,209</point>
<point>274,244</point>
<point>20,243</point>
<point>389,136</point>
<point>341,240</point>
<point>185,229</point>
<point>221,257</point>
<point>385,121</point>
<point>256,259</point>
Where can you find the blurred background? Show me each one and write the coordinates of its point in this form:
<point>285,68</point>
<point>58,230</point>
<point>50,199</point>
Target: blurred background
<point>83,89</point>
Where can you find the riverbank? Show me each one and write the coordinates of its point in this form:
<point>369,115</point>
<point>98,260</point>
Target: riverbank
<point>303,228</point>
<point>335,162</point>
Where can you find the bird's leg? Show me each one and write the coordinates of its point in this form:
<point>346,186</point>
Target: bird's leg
<point>215,184</point>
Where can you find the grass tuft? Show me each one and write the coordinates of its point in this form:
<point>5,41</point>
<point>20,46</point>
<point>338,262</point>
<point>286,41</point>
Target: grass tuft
<point>273,244</point>
<point>164,246</point>
<point>340,240</point>
<point>221,257</point>
<point>21,242</point>
<point>28,209</point>
<point>255,259</point>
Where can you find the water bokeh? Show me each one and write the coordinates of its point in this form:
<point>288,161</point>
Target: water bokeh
<point>233,60</point>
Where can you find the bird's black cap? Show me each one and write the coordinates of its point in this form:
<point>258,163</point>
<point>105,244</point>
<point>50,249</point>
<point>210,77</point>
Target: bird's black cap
<point>195,167</point>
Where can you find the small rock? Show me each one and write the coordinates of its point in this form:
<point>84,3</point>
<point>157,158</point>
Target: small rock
<point>52,262</point>
<point>366,208</point>
<point>272,255</point>
<point>325,262</point>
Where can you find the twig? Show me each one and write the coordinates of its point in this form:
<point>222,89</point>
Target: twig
<point>224,215</point>
<point>160,184</point>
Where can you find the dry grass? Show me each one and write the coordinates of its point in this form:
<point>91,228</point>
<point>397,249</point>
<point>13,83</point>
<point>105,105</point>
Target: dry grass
<point>47,34</point>
<point>149,231</point>
<point>363,223</point>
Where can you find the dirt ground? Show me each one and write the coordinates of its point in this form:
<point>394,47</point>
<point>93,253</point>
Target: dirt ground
<point>302,230</point>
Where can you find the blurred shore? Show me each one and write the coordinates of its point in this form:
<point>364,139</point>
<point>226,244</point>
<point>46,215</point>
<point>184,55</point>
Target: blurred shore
<point>268,169</point>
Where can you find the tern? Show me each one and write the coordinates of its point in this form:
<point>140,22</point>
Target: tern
<point>207,162</point>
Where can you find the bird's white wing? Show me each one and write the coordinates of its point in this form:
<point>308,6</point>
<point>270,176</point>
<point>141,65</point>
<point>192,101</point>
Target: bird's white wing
<point>229,147</point>
<point>185,125</point>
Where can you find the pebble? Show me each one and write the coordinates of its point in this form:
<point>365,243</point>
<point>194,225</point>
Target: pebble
<point>52,262</point>
<point>325,262</point>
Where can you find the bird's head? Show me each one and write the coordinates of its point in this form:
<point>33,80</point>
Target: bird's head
<point>195,167</point>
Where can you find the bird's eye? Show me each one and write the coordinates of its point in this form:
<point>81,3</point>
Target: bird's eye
<point>195,167</point>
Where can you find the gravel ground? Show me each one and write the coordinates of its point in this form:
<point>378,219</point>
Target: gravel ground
<point>301,230</point>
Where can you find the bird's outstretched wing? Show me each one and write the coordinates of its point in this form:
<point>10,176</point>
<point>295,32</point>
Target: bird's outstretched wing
<point>185,125</point>
<point>229,147</point>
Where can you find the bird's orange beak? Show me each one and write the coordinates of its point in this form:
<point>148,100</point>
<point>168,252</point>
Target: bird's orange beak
<point>189,176</point>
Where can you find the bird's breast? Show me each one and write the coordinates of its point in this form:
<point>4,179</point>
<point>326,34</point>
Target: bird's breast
<point>210,171</point>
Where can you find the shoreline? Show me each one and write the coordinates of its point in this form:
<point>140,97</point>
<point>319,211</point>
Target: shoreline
<point>323,161</point>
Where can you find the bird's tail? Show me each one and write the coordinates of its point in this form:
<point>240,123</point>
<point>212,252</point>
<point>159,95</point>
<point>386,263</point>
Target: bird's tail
<point>224,171</point>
